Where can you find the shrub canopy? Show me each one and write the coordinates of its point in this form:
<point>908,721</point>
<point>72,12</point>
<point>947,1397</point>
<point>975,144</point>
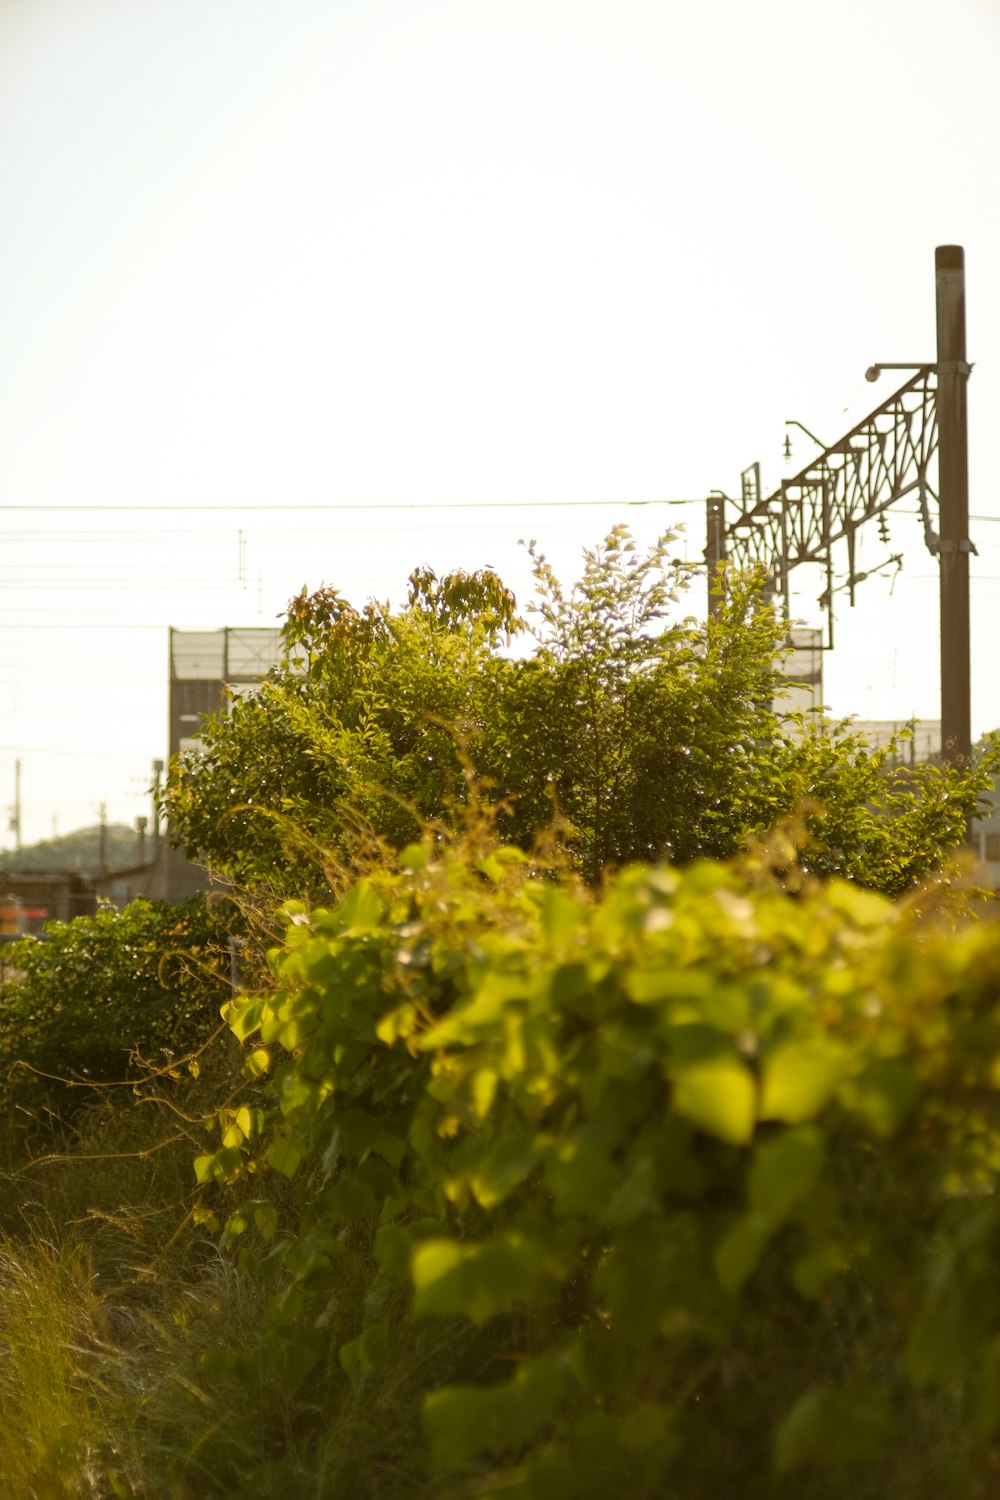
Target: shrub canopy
<point>650,736</point>
<point>103,998</point>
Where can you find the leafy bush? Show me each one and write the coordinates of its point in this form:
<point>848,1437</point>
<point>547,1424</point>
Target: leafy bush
<point>653,737</point>
<point>101,996</point>
<point>699,1176</point>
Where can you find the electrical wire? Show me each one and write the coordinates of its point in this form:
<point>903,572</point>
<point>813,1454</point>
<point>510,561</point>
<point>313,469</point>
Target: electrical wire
<point>282,505</point>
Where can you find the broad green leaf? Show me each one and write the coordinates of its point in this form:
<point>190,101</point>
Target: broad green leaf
<point>249,1121</point>
<point>481,1015</point>
<point>650,983</point>
<point>658,1281</point>
<point>509,1161</point>
<point>380,1177</point>
<point>579,1174</point>
<point>243,1017</point>
<point>477,1281</point>
<point>463,1422</point>
<point>265,1217</point>
<point>829,1427</point>
<point>398,1023</point>
<point>692,996</point>
<point>360,1131</point>
<point>347,1199</point>
<point>816,1267</point>
<point>368,1352</point>
<point>946,1336</point>
<point>224,1166</point>
<point>291,1355</point>
<point>637,1195</point>
<point>285,1155</point>
<point>456,1419</point>
<point>235,1225</point>
<point>492,868</point>
<point>738,1253</point>
<point>483,1089</point>
<point>719,1095</point>
<point>884,1095</point>
<point>361,909</point>
<point>413,857</point>
<point>256,1062</point>
<point>561,916</point>
<point>392,1249</point>
<point>784,1170</point>
<point>568,984</point>
<point>863,907</point>
<point>798,1078</point>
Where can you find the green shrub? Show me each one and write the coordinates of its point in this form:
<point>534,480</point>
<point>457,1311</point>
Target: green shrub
<point>653,737</point>
<point>699,1176</point>
<point>101,997</point>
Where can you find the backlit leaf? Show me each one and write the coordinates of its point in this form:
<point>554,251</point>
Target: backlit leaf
<point>719,1095</point>
<point>477,1281</point>
<point>799,1078</point>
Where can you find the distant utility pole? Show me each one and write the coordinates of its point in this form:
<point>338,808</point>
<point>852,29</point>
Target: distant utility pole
<point>157,831</point>
<point>15,821</point>
<point>102,855</point>
<point>888,456</point>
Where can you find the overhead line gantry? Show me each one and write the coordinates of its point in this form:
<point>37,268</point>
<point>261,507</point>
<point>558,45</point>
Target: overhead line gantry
<point>914,445</point>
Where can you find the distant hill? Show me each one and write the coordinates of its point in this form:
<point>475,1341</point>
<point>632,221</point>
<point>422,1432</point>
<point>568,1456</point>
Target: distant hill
<point>78,851</point>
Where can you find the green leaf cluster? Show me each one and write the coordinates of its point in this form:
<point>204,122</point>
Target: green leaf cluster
<point>701,1178</point>
<point>638,733</point>
<point>103,998</point>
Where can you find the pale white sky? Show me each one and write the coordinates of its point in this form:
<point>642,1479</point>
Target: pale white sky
<point>518,268</point>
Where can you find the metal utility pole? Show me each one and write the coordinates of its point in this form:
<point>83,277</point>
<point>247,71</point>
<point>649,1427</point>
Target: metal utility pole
<point>715,551</point>
<point>953,497</point>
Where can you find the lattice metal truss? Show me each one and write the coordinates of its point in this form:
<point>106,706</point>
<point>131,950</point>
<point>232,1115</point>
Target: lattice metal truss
<point>887,457</point>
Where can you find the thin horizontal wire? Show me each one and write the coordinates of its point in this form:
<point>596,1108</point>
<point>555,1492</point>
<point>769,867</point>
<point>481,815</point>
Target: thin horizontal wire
<point>107,623</point>
<point>137,508</point>
<point>76,753</point>
<point>333,526</point>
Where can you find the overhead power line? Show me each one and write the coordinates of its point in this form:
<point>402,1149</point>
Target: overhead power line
<point>285,505</point>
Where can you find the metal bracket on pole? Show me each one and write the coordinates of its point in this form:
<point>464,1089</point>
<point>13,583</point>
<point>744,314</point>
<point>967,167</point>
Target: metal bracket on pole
<point>918,435</point>
<point>887,457</point>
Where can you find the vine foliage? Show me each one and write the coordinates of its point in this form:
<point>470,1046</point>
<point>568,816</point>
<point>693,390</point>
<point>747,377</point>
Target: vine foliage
<point>696,1172</point>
